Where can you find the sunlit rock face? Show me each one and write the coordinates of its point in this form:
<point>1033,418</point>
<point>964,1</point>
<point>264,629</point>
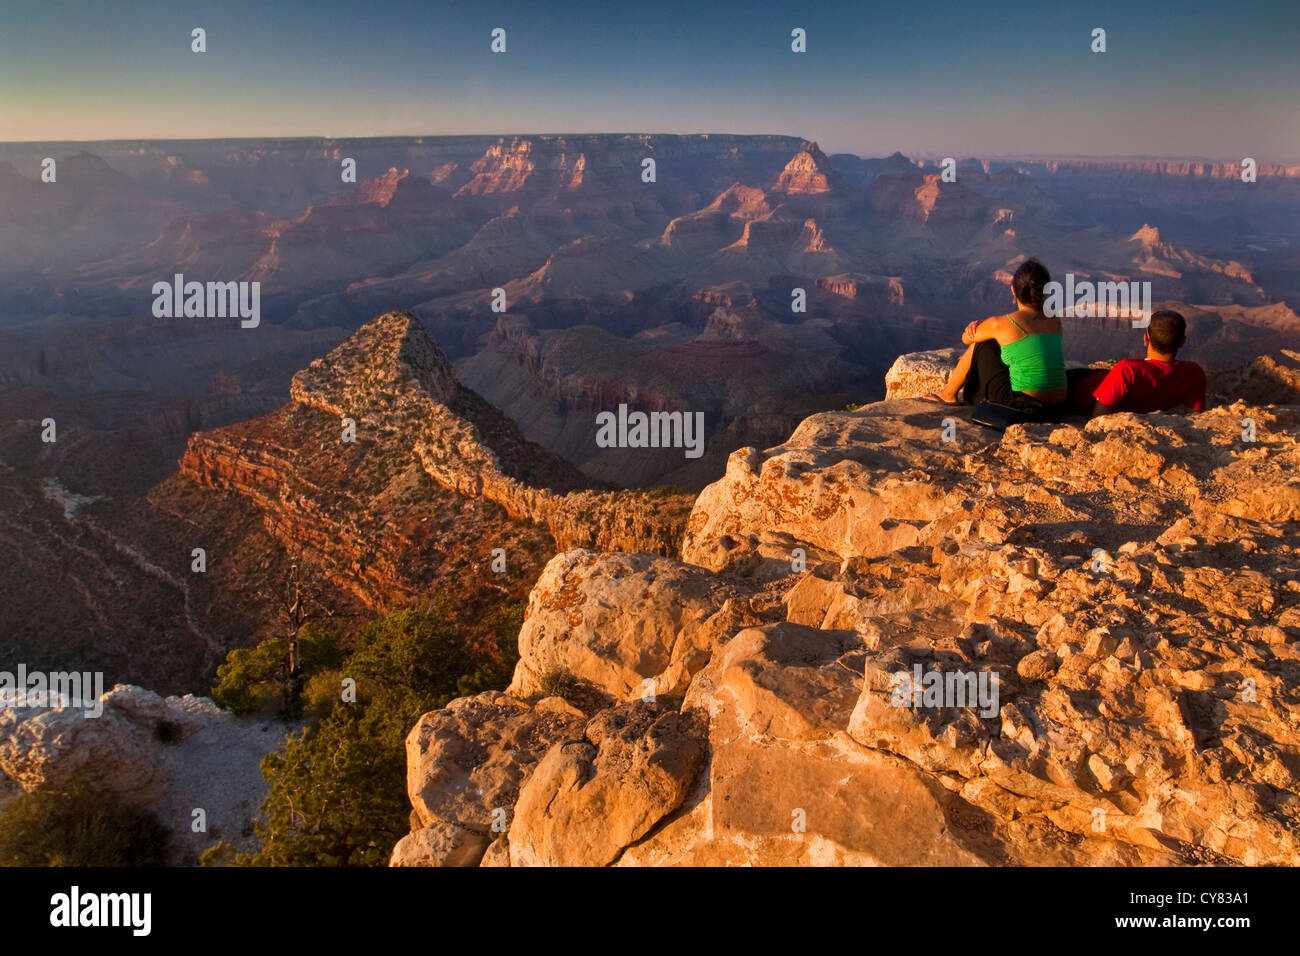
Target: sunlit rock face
<point>1065,644</point>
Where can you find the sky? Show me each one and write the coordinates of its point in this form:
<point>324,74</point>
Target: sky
<point>1188,80</point>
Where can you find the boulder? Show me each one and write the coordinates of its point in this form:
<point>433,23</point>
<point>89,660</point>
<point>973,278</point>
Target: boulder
<point>440,844</point>
<point>920,373</point>
<point>628,624</point>
<point>465,765</point>
<point>589,799</point>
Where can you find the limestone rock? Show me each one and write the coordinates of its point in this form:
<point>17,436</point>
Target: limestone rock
<point>497,854</point>
<point>589,799</point>
<point>849,483</point>
<point>440,844</point>
<point>170,755</point>
<point>920,373</point>
<point>1105,614</point>
<point>790,681</point>
<point>465,767</point>
<point>579,614</point>
<point>1038,665</point>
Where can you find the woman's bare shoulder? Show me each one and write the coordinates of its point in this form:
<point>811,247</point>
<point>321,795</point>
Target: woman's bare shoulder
<point>994,323</point>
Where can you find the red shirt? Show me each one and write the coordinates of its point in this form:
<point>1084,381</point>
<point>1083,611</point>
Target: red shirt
<point>1148,386</point>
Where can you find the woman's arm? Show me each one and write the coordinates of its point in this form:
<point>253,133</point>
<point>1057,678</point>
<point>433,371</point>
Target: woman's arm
<point>979,331</point>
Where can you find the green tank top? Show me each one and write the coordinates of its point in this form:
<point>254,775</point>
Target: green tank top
<point>1037,362</point>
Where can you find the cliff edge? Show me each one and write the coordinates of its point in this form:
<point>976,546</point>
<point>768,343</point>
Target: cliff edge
<point>899,638</point>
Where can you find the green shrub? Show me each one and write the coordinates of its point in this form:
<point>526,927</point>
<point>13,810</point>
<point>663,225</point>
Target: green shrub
<point>256,680</point>
<point>220,853</point>
<point>337,793</point>
<point>338,789</point>
<point>558,682</point>
<point>79,827</point>
<point>562,682</point>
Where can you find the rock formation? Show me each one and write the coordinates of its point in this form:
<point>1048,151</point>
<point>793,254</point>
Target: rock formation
<point>919,373</point>
<point>809,173</point>
<point>171,755</point>
<point>1110,612</point>
<point>435,479</point>
<point>390,378</point>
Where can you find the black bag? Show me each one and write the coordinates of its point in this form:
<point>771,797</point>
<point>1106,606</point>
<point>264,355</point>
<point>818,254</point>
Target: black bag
<point>998,417</point>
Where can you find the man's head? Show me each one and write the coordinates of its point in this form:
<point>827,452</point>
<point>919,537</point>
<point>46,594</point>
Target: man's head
<point>1166,333</point>
<point>1029,283</point>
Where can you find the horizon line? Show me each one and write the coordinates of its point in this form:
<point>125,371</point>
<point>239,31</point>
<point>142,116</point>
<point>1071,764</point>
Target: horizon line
<point>919,153</point>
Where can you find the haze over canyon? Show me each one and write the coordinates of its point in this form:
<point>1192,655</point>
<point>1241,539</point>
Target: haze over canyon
<point>674,295</point>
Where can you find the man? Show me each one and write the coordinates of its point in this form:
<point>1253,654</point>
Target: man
<point>1156,384</point>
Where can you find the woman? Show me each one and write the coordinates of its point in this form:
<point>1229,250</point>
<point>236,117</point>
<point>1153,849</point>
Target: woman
<point>1016,359</point>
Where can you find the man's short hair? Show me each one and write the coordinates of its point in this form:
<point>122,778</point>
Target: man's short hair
<point>1167,331</point>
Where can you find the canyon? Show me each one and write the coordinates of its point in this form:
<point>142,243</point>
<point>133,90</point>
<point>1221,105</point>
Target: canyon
<point>434,482</point>
<point>734,620</point>
<point>674,295</point>
<point>730,659</point>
